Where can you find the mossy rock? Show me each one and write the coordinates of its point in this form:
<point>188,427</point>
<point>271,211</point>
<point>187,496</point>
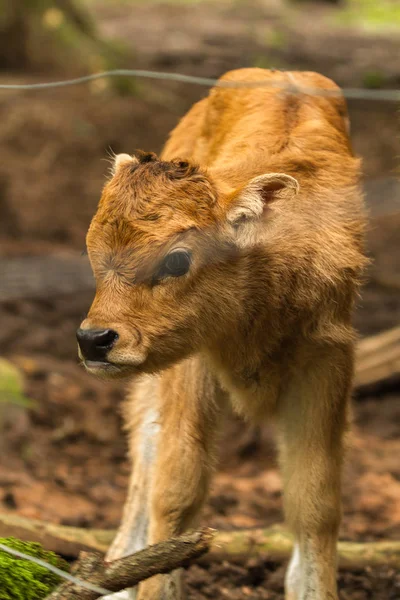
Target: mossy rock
<point>24,580</point>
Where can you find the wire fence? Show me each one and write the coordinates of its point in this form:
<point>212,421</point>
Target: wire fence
<point>387,95</point>
<point>37,276</point>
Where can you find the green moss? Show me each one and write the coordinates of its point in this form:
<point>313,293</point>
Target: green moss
<point>373,80</point>
<point>12,385</point>
<point>24,580</point>
<point>376,14</point>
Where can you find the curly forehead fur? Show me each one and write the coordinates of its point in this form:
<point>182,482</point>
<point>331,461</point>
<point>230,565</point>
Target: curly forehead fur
<point>151,189</point>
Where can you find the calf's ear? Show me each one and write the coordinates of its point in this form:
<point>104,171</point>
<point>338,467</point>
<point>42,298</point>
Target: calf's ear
<point>252,201</point>
<point>122,159</point>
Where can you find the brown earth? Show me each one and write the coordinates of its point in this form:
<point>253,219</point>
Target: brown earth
<point>65,458</point>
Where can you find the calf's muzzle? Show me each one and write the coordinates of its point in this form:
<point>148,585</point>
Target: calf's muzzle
<point>95,343</point>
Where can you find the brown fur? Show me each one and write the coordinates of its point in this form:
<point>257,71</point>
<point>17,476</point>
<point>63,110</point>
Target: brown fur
<point>269,206</point>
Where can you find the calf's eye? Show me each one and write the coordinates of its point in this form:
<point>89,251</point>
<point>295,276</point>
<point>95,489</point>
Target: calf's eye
<point>175,264</point>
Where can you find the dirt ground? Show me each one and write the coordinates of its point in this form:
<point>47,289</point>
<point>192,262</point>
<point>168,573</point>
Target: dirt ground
<point>64,460</point>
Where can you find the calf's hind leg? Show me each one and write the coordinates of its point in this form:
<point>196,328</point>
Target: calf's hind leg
<point>312,417</point>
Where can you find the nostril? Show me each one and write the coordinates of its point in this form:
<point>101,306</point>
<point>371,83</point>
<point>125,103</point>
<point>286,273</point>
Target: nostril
<point>95,343</point>
<point>106,338</point>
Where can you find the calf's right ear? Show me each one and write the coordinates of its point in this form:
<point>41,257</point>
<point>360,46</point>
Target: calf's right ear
<point>122,159</point>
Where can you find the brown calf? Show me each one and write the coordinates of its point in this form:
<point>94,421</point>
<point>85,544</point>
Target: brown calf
<point>232,277</point>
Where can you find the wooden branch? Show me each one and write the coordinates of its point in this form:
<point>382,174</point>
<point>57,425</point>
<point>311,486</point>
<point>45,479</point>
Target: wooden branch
<point>378,357</point>
<point>131,570</point>
<point>274,542</point>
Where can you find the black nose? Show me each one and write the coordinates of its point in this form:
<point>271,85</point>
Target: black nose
<point>95,343</point>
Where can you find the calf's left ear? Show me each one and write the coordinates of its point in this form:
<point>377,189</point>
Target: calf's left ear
<point>253,200</point>
<point>122,159</point>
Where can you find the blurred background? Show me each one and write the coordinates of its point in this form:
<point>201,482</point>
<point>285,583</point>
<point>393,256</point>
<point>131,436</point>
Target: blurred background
<point>62,453</point>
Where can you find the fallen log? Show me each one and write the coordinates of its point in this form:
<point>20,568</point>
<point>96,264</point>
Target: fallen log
<point>274,543</point>
<point>63,540</point>
<point>129,571</point>
<point>378,357</point>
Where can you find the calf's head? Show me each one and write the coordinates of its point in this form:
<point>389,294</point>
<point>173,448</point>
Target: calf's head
<point>168,251</point>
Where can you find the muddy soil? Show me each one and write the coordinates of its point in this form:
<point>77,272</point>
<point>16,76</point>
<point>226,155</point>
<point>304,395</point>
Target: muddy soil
<point>64,460</point>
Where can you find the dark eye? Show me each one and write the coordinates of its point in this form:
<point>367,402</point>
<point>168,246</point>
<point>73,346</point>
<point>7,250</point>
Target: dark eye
<point>176,264</point>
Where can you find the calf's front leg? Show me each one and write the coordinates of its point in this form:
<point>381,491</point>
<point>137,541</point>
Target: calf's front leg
<point>174,421</point>
<point>143,424</point>
<point>313,420</point>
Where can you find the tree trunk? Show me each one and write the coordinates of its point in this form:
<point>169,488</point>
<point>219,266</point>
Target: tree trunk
<point>14,34</point>
<point>39,33</point>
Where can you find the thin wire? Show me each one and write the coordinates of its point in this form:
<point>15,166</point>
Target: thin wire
<point>386,95</point>
<point>57,571</point>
